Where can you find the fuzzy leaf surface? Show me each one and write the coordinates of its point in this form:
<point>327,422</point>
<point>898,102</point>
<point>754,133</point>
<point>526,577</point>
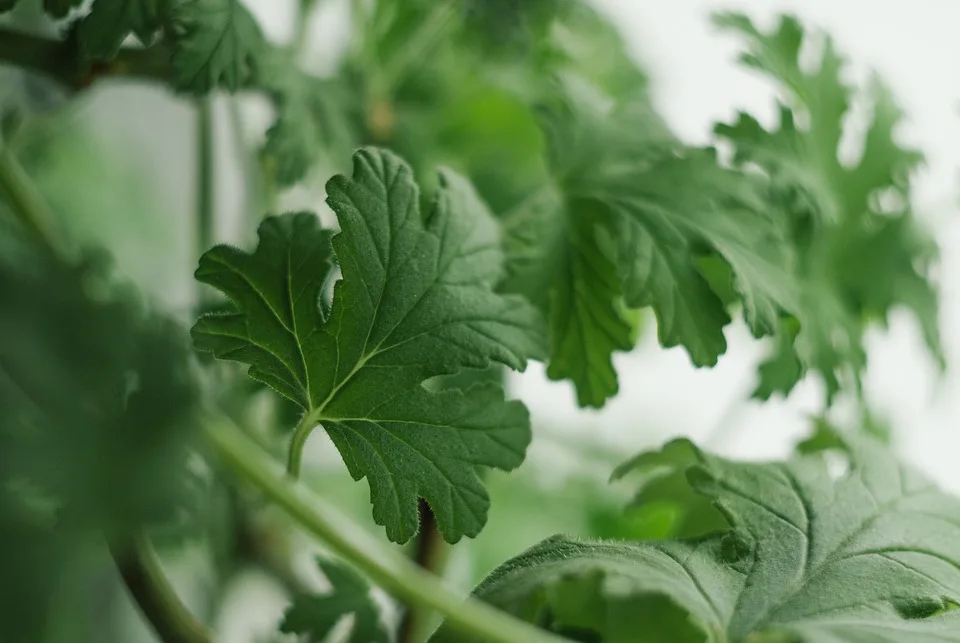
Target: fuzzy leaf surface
<point>871,556</point>
<point>416,301</point>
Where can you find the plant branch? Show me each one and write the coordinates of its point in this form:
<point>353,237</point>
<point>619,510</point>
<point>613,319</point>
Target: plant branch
<point>60,60</point>
<point>141,573</point>
<point>431,555</point>
<point>29,205</point>
<point>205,213</point>
<point>387,568</point>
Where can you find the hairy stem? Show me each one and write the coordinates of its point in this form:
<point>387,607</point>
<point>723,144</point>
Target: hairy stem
<point>158,602</point>
<point>387,568</point>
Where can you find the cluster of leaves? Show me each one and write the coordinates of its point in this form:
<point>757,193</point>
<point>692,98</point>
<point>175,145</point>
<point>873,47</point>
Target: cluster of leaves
<point>604,210</point>
<point>779,552</point>
<point>565,205</point>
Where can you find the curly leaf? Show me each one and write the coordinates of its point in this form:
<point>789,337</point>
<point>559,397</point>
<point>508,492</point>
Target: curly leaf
<point>416,301</point>
<point>873,555</point>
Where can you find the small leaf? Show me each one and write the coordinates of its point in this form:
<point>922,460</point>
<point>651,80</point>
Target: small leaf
<point>416,301</point>
<point>217,43</point>
<point>314,616</point>
<point>109,23</point>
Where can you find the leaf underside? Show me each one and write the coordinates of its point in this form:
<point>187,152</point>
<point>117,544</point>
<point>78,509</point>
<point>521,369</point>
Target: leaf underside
<point>869,555</point>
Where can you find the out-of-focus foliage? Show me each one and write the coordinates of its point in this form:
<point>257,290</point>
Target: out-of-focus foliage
<point>599,212</point>
<point>859,250</point>
<point>99,399</point>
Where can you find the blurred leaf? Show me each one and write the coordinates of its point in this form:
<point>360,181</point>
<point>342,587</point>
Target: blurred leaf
<point>665,497</point>
<point>100,396</point>
<point>612,214</point>
<point>103,30</point>
<point>860,250</point>
<point>315,616</point>
<point>217,43</point>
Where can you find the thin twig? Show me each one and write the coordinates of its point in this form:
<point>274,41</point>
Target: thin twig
<point>158,602</point>
<point>431,553</point>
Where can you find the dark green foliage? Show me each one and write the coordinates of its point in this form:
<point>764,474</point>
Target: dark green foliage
<point>416,301</point>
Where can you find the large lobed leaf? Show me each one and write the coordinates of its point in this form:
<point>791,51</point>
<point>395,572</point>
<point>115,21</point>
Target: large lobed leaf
<point>870,555</point>
<point>628,217</point>
<point>416,301</point>
<point>860,250</point>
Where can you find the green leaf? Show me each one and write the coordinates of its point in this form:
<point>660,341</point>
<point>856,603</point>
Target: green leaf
<point>109,23</point>
<point>560,266</point>
<point>316,119</point>
<point>860,251</point>
<point>7,5</point>
<point>315,616</point>
<point>869,555</point>
<point>620,221</point>
<point>217,43</point>
<point>416,301</point>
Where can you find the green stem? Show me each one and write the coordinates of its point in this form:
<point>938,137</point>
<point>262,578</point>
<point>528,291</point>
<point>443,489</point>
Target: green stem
<point>431,555</point>
<point>298,442</point>
<point>149,587</point>
<point>60,60</point>
<point>387,568</point>
<point>29,205</point>
<point>304,9</point>
<point>205,215</point>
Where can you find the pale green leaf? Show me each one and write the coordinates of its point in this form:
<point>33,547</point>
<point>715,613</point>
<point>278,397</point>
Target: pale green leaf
<point>811,556</point>
<point>860,250</point>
